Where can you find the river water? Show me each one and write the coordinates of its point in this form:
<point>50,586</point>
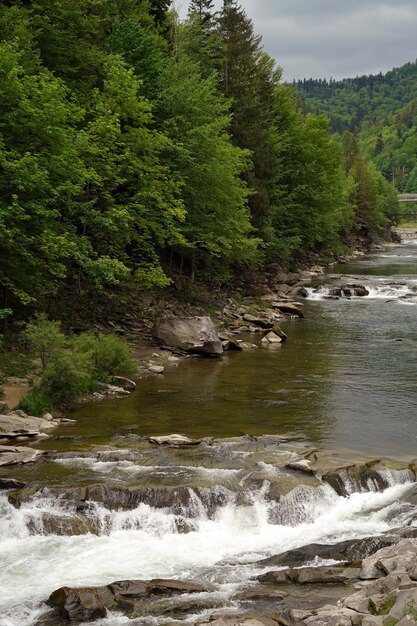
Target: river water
<point>344,382</point>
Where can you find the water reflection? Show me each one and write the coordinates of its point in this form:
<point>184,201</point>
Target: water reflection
<point>345,377</point>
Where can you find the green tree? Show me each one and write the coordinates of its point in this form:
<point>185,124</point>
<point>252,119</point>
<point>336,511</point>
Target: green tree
<point>249,77</point>
<point>207,165</point>
<point>40,173</point>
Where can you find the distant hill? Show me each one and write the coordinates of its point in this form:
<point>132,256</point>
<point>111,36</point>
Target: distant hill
<point>352,101</point>
<point>392,144</point>
<point>381,109</point>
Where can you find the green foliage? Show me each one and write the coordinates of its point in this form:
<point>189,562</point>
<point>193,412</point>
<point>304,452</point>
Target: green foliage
<point>45,338</point>
<point>71,367</point>
<point>350,102</point>
<point>36,402</point>
<point>382,109</point>
<point>207,165</point>
<point>373,198</point>
<point>107,178</point>
<point>410,609</point>
<point>388,604</point>
<point>104,355</point>
<point>66,377</point>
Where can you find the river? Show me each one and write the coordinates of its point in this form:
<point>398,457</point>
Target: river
<point>344,383</point>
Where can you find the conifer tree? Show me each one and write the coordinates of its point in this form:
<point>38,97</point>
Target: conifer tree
<point>201,38</point>
<point>248,78</point>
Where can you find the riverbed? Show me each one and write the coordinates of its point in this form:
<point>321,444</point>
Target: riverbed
<point>343,386</point>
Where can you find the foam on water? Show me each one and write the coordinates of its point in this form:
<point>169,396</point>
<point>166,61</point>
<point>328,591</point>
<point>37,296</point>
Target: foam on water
<point>132,469</point>
<point>144,543</point>
<point>376,291</point>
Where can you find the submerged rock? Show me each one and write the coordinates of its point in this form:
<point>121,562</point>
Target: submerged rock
<point>192,334</point>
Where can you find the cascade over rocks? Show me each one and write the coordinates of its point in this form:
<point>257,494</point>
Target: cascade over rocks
<point>178,500</point>
<point>356,477</point>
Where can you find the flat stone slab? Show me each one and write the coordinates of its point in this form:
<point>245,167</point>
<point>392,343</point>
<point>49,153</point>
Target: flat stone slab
<point>16,455</point>
<point>28,426</point>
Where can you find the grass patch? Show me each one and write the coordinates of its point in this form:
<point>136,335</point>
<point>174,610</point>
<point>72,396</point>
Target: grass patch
<point>387,606</point>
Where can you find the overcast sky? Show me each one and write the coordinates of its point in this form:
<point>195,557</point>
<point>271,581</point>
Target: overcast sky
<point>338,38</point>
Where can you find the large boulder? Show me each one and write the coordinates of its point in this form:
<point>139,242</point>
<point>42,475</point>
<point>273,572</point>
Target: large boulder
<point>81,605</point>
<point>193,334</point>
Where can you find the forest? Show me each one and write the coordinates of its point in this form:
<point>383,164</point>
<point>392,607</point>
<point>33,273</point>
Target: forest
<point>381,109</point>
<point>136,148</point>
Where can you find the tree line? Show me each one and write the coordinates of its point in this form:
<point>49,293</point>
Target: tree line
<point>135,148</point>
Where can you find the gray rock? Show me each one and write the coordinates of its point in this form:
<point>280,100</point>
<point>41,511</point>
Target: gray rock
<point>288,308</point>
<point>11,455</point>
<point>174,441</point>
<point>11,483</point>
<point>303,466</point>
<point>278,331</point>
<point>271,337</point>
<point>351,550</point>
<point>242,620</point>
<point>91,603</point>
<point>229,343</point>
<point>405,604</point>
<point>125,383</point>
<point>4,408</point>
<point>258,321</point>
<point>407,621</point>
<point>156,369</point>
<point>15,424</point>
<point>193,334</point>
<point>112,390</point>
<point>324,574</point>
<point>81,605</point>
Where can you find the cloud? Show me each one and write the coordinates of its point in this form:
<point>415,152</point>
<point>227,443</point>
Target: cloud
<point>339,38</point>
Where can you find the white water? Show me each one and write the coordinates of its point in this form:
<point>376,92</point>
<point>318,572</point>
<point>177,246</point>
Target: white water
<point>378,290</point>
<point>143,543</point>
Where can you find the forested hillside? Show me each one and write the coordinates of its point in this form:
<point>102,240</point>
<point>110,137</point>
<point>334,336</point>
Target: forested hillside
<point>350,102</point>
<point>392,144</point>
<point>381,109</point>
<point>135,149</point>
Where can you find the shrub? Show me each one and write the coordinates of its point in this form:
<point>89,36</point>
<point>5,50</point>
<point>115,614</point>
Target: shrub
<point>66,377</point>
<point>45,338</point>
<point>109,355</point>
<point>71,368</point>
<point>36,402</point>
